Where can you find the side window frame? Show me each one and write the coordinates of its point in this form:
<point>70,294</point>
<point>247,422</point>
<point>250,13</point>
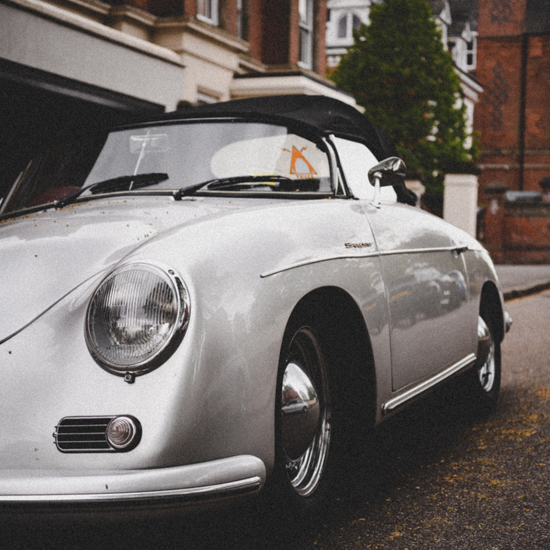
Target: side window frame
<point>211,11</point>
<point>356,178</point>
<point>306,30</point>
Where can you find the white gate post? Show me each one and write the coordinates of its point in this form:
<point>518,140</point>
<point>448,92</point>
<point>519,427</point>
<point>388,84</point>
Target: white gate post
<point>460,201</point>
<point>417,187</point>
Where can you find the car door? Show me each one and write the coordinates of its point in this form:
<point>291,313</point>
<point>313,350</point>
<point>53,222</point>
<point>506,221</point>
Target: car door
<point>425,277</point>
<point>426,284</point>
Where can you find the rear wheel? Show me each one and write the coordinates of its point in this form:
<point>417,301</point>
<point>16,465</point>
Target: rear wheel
<point>485,377</point>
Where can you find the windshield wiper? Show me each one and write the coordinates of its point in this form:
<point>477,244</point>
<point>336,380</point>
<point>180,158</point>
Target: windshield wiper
<point>119,183</point>
<point>221,183</point>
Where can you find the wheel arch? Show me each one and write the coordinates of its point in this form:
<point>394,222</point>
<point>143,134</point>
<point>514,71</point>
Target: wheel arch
<point>346,340</point>
<point>491,305</point>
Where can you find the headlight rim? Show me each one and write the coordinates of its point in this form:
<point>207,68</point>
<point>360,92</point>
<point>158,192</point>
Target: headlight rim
<point>177,332</point>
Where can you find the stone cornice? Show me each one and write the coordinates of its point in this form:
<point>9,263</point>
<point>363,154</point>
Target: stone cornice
<point>132,14</point>
<point>204,30</point>
<point>88,8</point>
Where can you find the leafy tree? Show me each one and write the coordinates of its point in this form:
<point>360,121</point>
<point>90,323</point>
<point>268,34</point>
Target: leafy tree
<point>399,71</point>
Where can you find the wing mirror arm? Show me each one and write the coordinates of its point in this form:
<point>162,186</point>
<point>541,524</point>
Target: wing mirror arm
<point>390,171</point>
<point>377,179</point>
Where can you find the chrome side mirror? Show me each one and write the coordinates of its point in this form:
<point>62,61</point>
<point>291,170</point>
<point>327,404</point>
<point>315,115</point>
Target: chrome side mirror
<point>390,171</point>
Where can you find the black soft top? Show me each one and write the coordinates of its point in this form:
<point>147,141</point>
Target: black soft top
<point>325,114</point>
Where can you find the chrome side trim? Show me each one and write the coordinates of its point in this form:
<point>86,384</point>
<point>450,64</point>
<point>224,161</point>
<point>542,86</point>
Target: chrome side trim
<point>366,255</point>
<point>415,391</point>
<point>240,487</point>
<point>417,250</point>
<point>317,261</point>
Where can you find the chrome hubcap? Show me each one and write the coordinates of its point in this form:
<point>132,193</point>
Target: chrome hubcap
<point>486,366</point>
<point>305,418</point>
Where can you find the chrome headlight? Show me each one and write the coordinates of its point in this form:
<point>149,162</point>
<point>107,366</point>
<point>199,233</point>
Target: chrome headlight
<point>136,317</point>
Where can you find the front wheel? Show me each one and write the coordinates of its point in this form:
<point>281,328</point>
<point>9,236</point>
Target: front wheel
<point>303,418</point>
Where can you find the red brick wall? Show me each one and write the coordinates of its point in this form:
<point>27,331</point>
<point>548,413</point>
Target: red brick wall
<point>255,30</point>
<point>517,232</point>
<point>294,37</point>
<point>229,15</point>
<point>319,51</point>
<point>537,112</point>
<point>189,7</point>
<point>500,115</point>
<point>501,17</point>
<point>497,116</point>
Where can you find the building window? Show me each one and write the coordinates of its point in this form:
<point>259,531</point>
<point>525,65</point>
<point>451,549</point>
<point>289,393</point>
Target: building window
<point>242,19</point>
<point>306,33</point>
<point>471,54</point>
<point>207,10</point>
<point>347,24</point>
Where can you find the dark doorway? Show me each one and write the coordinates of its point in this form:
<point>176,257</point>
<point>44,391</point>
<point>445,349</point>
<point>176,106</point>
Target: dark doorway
<point>38,109</point>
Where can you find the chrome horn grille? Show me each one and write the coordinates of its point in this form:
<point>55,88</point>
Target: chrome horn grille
<point>90,434</point>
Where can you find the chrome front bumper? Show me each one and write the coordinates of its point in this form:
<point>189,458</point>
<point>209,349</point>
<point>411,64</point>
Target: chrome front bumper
<point>215,480</point>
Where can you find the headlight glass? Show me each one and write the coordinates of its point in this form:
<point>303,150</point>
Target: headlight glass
<point>134,315</point>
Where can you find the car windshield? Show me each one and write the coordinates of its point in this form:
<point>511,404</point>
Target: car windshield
<point>177,156</point>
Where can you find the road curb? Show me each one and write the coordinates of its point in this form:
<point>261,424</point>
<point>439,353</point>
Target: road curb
<point>520,293</point>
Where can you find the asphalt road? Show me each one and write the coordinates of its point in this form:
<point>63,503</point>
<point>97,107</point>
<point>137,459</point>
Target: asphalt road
<point>435,477</point>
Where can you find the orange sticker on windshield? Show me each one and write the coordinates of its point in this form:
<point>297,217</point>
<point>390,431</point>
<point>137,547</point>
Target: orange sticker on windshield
<point>299,165</point>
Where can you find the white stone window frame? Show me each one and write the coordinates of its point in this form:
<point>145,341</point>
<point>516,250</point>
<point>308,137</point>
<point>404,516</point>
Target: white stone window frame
<point>306,30</point>
<point>208,11</point>
<point>471,53</point>
<point>348,16</point>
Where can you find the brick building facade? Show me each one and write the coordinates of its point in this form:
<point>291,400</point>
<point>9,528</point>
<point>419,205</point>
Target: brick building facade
<point>513,116</point>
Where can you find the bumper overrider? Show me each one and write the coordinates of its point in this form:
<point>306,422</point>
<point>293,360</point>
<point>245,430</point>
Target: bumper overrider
<point>204,482</point>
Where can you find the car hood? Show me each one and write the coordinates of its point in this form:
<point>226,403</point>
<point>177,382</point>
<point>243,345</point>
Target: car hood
<point>48,254</point>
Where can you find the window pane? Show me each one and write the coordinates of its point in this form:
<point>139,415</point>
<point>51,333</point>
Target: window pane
<point>357,160</point>
<point>306,32</point>
<point>305,9</point>
<point>204,7</point>
<point>208,9</point>
<point>343,26</point>
<point>305,48</point>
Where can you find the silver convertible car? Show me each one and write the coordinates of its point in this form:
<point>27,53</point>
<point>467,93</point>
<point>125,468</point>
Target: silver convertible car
<point>216,303</point>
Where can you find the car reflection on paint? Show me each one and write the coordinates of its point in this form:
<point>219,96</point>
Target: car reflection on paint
<point>293,407</point>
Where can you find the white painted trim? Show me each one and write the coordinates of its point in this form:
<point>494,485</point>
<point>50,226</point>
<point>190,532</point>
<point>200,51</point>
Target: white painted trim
<point>44,37</point>
<point>285,85</point>
<point>81,23</point>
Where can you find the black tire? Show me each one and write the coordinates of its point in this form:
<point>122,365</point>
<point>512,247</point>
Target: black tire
<point>484,378</point>
<point>301,479</point>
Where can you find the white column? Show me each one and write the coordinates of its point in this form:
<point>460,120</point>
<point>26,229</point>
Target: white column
<point>460,201</point>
